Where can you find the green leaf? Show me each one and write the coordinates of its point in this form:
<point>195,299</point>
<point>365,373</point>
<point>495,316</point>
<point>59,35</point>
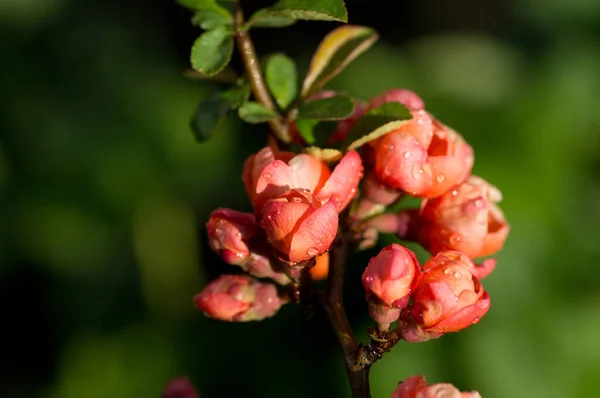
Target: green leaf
<point>211,52</point>
<point>309,10</point>
<point>264,19</point>
<point>282,79</point>
<point>253,112</point>
<point>209,13</point>
<point>336,51</point>
<point>306,128</point>
<point>379,132</point>
<point>331,108</point>
<point>377,117</point>
<point>211,112</point>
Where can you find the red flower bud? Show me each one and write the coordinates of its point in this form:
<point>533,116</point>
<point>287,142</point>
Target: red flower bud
<point>238,298</point>
<point>228,234</point>
<point>180,387</point>
<point>302,172</point>
<point>417,387</point>
<point>298,226</point>
<point>447,298</point>
<point>464,219</point>
<point>256,163</point>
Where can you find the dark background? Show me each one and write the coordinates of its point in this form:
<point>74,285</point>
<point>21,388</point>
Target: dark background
<point>104,194</point>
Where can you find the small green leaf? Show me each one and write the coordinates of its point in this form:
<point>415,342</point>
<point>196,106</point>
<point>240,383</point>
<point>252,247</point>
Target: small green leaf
<point>211,112</point>
<point>332,108</point>
<point>211,52</point>
<point>264,19</point>
<point>336,51</point>
<point>282,79</point>
<point>379,132</point>
<point>253,112</point>
<point>226,75</point>
<point>209,13</point>
<point>377,117</point>
<point>306,128</point>
<point>309,10</point>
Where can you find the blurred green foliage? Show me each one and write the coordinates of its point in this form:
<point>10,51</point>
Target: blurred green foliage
<point>104,193</point>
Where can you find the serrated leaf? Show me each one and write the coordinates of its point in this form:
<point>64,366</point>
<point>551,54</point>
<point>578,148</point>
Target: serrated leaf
<point>282,79</point>
<point>377,117</point>
<point>332,108</point>
<point>310,10</point>
<point>209,13</point>
<point>213,110</point>
<point>327,155</point>
<point>306,129</point>
<point>379,132</point>
<point>212,51</point>
<point>336,51</point>
<point>264,19</point>
<point>253,112</point>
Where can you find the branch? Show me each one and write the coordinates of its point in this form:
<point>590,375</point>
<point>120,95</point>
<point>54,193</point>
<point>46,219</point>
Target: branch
<point>257,83</point>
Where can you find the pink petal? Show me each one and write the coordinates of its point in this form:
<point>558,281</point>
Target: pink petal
<point>343,182</point>
<point>315,234</point>
<point>280,220</point>
<point>308,173</point>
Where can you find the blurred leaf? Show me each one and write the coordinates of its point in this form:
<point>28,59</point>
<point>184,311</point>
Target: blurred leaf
<point>327,155</point>
<point>211,52</point>
<point>264,19</point>
<point>209,14</point>
<point>253,112</point>
<point>379,132</point>
<point>336,51</point>
<point>309,10</point>
<point>377,117</point>
<point>211,112</point>
<point>331,108</point>
<point>306,128</point>
<point>281,76</point>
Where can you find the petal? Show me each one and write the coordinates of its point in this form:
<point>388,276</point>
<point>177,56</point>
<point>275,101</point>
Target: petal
<point>252,168</point>
<point>315,234</point>
<point>220,305</point>
<point>466,317</point>
<point>406,97</point>
<point>400,163</point>
<point>308,173</point>
<point>343,182</point>
<point>280,220</point>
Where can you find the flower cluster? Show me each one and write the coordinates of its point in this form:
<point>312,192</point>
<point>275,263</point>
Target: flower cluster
<point>296,199</point>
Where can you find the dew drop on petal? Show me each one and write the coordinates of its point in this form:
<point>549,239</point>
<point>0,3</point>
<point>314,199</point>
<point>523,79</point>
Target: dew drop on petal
<point>406,154</point>
<point>369,279</point>
<point>454,192</point>
<point>267,176</point>
<point>479,203</point>
<point>457,275</point>
<point>440,178</point>
<point>475,320</point>
<point>447,271</point>
<point>275,164</point>
<point>312,251</point>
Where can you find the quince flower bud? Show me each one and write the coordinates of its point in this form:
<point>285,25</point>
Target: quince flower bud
<point>228,234</point>
<point>417,387</point>
<point>298,227</point>
<point>238,298</point>
<point>464,219</point>
<point>388,281</point>
<point>447,298</point>
<point>180,387</point>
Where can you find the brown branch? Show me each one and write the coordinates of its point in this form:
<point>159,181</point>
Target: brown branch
<point>257,83</point>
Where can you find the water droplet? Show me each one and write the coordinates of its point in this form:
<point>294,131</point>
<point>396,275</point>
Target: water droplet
<point>312,251</point>
<point>277,213</point>
<point>454,239</point>
<point>447,271</point>
<point>268,176</point>
<point>440,178</point>
<point>238,234</point>
<point>476,320</point>
<point>389,147</point>
<point>369,279</point>
<point>275,164</point>
<point>311,222</point>
<point>420,121</point>
<point>407,154</point>
<point>417,171</point>
<point>479,203</point>
<point>457,275</point>
<point>455,298</point>
<point>297,200</point>
<point>454,192</point>
<point>269,217</point>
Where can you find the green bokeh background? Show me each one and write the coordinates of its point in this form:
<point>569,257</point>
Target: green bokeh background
<point>104,194</point>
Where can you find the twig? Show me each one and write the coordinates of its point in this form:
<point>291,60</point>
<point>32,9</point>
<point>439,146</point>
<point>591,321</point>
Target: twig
<point>257,83</point>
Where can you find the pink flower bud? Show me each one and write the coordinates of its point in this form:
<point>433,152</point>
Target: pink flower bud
<point>180,387</point>
<point>417,387</point>
<point>464,219</point>
<point>390,275</point>
<point>298,226</point>
<point>303,172</point>
<point>375,196</point>
<point>228,234</point>
<point>447,298</point>
<point>406,97</point>
<point>238,298</point>
<point>388,281</point>
<point>255,164</point>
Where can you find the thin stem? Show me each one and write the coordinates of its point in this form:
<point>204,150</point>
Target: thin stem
<point>332,303</point>
<point>257,83</point>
